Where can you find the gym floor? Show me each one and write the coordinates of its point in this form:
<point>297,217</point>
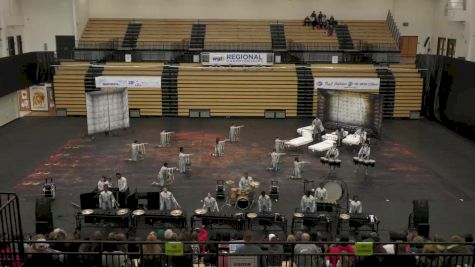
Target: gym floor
<point>414,160</point>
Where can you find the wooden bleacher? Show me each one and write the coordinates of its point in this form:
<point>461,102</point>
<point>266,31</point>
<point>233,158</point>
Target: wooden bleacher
<point>148,100</point>
<point>103,31</point>
<point>373,32</point>
<point>163,32</point>
<point>70,91</point>
<point>237,91</point>
<point>299,36</point>
<point>343,70</point>
<point>69,87</point>
<point>409,88</point>
<point>246,34</point>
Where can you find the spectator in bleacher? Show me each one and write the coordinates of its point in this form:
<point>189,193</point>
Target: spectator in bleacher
<point>324,22</point>
<point>275,252</point>
<point>150,250</point>
<point>319,19</point>
<point>341,248</point>
<point>457,249</point>
<point>313,16</point>
<point>306,254</point>
<point>430,261</point>
<point>187,259</point>
<point>307,21</point>
<point>314,24</point>
<point>439,239</point>
<point>417,248</point>
<point>251,249</point>
<point>331,25</point>
<point>40,254</point>
<point>116,253</point>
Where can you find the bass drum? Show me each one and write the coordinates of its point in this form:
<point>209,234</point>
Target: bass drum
<point>242,203</point>
<point>336,191</point>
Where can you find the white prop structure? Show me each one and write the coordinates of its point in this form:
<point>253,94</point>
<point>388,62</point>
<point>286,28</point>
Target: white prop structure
<point>305,139</point>
<point>107,110</point>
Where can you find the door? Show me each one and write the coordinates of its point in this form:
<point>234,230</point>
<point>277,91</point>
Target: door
<point>408,46</point>
<point>11,46</point>
<point>65,46</point>
<point>441,46</point>
<point>451,47</point>
<point>19,45</point>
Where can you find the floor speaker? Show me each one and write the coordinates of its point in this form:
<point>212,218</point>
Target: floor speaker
<point>153,202</point>
<point>420,211</point>
<point>43,216</point>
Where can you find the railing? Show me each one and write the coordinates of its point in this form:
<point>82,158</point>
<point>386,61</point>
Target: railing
<point>10,229</point>
<point>220,254</point>
<point>144,45</point>
<point>364,46</point>
<point>238,46</point>
<point>312,46</point>
<point>393,28</point>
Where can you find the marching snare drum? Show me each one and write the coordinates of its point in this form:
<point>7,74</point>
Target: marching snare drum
<point>324,160</point>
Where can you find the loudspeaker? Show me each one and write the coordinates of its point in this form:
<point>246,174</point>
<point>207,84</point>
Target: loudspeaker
<point>420,211</point>
<point>43,216</point>
<point>89,201</point>
<point>423,229</point>
<point>153,202</point>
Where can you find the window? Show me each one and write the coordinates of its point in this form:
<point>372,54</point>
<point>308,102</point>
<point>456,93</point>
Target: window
<point>451,47</point>
<point>441,46</point>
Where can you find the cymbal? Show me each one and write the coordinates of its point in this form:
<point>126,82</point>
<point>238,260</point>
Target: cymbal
<point>87,211</point>
<point>255,184</point>
<point>238,214</point>
<point>345,216</point>
<point>138,212</point>
<point>298,215</point>
<point>200,211</point>
<point>229,182</point>
<point>252,215</point>
<point>122,212</point>
<point>176,212</point>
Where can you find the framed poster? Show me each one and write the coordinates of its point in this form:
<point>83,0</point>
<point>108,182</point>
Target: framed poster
<point>24,100</point>
<point>38,98</point>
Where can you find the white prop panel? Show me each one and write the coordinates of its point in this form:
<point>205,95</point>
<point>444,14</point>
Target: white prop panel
<point>107,110</point>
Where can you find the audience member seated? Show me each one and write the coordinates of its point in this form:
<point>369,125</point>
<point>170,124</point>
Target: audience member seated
<point>311,259</point>
<point>115,254</point>
<point>150,251</point>
<point>275,252</point>
<point>307,21</point>
<point>341,248</point>
<point>251,249</point>
<point>457,249</point>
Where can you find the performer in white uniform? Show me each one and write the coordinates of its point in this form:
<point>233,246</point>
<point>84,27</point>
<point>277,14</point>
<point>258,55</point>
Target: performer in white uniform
<point>106,199</point>
<point>165,138</point>
<point>333,157</point>
<point>245,182</point>
<point>321,193</point>
<point>167,200</point>
<point>165,175</point>
<point>123,189</point>
<point>103,181</point>
<point>234,132</point>
<point>275,159</point>
<point>355,206</point>
<point>210,204</point>
<point>363,154</point>
<point>298,168</point>
<point>307,204</point>
<point>279,145</point>
<point>219,147</point>
<point>317,129</point>
<point>184,161</point>
<point>265,203</point>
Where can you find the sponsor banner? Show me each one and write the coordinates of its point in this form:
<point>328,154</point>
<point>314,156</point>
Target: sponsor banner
<point>239,59</point>
<point>347,83</point>
<point>129,82</point>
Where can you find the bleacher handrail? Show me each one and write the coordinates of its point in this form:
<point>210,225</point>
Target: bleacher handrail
<point>393,28</point>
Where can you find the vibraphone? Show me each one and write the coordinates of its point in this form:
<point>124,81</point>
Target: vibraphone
<point>357,221</point>
<point>320,220</point>
<point>266,219</point>
<point>234,221</point>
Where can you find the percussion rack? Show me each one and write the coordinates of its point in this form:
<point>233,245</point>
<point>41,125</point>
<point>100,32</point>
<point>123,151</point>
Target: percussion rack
<point>235,221</point>
<point>266,219</point>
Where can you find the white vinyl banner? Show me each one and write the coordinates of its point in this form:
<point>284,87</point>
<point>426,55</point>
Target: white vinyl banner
<point>129,82</point>
<point>347,83</point>
<point>107,110</point>
<point>240,59</point>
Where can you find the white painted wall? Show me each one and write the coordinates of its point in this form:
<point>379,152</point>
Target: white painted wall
<point>419,16</point>
<point>44,19</point>
<point>82,15</point>
<point>235,9</point>
<point>9,108</point>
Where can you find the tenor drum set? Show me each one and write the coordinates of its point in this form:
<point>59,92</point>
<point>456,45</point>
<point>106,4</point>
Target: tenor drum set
<point>330,162</point>
<point>364,162</point>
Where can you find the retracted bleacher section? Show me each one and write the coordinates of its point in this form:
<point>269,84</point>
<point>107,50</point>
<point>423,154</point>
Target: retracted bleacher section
<point>371,35</point>
<point>69,88</point>
<point>300,37</point>
<point>164,33</point>
<point>105,33</point>
<point>237,91</point>
<point>409,87</point>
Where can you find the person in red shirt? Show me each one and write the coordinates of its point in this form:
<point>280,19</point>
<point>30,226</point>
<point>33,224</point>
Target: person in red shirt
<point>202,237</point>
<point>341,249</point>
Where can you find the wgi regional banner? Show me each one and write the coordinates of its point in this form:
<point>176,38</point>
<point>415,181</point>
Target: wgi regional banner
<point>347,83</point>
<point>129,81</point>
<point>240,59</point>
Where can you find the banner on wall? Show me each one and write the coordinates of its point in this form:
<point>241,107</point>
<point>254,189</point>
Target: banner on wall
<point>24,100</point>
<point>38,98</point>
<point>347,83</point>
<point>129,82</point>
<point>237,59</point>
